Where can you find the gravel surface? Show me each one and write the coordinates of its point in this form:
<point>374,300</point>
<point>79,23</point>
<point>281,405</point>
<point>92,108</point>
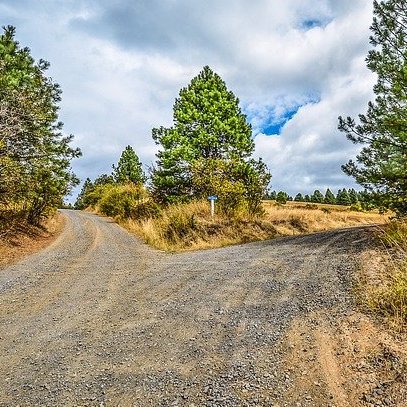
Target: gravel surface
<point>100,319</point>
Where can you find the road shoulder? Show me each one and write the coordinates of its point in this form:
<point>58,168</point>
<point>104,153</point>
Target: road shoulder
<point>30,240</point>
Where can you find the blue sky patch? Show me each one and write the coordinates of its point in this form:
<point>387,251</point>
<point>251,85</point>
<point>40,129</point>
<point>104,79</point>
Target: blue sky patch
<point>311,23</point>
<point>275,126</point>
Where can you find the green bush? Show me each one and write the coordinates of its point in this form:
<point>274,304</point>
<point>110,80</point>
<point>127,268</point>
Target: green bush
<point>145,210</point>
<point>119,200</point>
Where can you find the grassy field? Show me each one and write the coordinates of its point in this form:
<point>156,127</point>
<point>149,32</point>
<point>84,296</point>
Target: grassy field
<point>295,218</point>
<point>383,276</point>
<point>190,226</point>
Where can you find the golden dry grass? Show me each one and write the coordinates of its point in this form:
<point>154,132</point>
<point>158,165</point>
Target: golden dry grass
<point>190,226</point>
<point>295,218</point>
<point>383,277</point>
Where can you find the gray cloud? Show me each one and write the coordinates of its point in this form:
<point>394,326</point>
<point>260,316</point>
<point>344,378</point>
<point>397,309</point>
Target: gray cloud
<point>121,64</point>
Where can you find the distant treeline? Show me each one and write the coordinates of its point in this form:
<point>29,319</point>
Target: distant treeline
<point>362,199</point>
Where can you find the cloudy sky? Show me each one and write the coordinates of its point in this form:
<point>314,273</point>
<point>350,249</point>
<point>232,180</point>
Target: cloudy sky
<point>296,65</point>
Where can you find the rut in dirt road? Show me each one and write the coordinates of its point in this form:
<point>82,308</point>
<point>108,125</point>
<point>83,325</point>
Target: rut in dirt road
<point>100,319</point>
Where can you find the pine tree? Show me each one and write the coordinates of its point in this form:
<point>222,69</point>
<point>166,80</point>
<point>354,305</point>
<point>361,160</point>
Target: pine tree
<point>299,198</point>
<point>87,187</point>
<point>307,198</point>
<point>329,197</point>
<point>104,179</point>
<point>273,195</point>
<point>353,196</point>
<point>128,168</point>
<point>381,166</point>
<point>282,197</point>
<point>343,197</point>
<point>35,156</point>
<point>317,197</point>
<point>208,125</point>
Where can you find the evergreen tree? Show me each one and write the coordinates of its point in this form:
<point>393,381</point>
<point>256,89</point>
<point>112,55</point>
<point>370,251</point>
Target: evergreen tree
<point>273,195</point>
<point>128,168</point>
<point>381,166</point>
<point>329,197</point>
<point>34,155</point>
<point>299,198</point>
<point>317,197</point>
<point>367,200</point>
<point>307,198</point>
<point>282,197</point>
<point>104,179</point>
<point>208,125</point>
<point>87,187</point>
<point>343,197</point>
<point>353,196</point>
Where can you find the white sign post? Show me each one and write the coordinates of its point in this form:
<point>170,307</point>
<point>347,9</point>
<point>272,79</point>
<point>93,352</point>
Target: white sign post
<point>212,198</point>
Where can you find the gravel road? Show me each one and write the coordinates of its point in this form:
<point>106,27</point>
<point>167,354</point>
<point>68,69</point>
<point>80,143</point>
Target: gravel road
<point>100,319</point>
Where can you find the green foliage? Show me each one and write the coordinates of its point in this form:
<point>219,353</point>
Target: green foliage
<point>128,168</point>
<point>147,209</point>
<point>82,199</point>
<point>342,198</point>
<point>353,196</point>
<point>329,197</point>
<point>381,166</point>
<point>356,207</point>
<point>104,179</point>
<point>317,197</point>
<point>119,200</point>
<point>209,128</point>
<point>282,197</point>
<point>34,155</point>
<point>299,198</point>
<point>272,195</point>
<point>239,185</point>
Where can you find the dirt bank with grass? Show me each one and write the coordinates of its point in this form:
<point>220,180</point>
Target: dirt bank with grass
<point>23,240</point>
<point>101,319</point>
<point>190,226</point>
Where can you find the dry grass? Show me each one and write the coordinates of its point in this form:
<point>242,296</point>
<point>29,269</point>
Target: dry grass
<point>190,226</point>
<point>296,218</point>
<point>383,284</point>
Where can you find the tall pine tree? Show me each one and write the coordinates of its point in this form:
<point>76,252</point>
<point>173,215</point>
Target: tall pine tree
<point>381,166</point>
<point>208,125</point>
<point>34,154</point>
<point>128,168</point>
<point>329,197</point>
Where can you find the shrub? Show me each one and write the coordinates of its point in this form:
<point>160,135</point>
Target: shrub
<point>179,225</point>
<point>145,210</point>
<point>119,200</point>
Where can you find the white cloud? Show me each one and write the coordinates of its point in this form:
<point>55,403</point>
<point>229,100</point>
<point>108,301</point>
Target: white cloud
<point>121,65</point>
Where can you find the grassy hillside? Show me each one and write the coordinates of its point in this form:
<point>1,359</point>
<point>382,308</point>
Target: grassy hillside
<point>190,226</point>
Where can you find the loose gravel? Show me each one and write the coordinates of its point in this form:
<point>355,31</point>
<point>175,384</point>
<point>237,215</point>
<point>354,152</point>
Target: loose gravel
<point>100,319</point>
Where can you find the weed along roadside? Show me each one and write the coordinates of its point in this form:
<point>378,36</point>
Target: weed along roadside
<point>191,226</point>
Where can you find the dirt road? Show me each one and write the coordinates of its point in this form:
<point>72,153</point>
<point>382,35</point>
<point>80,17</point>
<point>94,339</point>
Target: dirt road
<point>100,319</point>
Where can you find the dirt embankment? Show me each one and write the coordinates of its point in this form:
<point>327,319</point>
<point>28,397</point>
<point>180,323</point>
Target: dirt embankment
<point>27,240</point>
<point>99,319</point>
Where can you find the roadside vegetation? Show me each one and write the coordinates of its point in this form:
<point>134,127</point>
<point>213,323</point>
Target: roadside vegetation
<point>35,156</point>
<point>381,166</point>
<point>208,152</point>
<point>383,279</point>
